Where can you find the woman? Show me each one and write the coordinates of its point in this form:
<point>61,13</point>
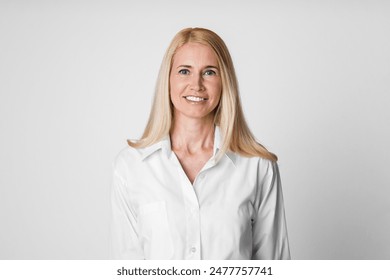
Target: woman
<point>197,185</point>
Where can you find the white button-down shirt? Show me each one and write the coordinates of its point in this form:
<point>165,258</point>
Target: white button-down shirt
<point>233,210</point>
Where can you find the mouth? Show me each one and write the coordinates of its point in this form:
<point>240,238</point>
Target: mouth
<point>193,98</point>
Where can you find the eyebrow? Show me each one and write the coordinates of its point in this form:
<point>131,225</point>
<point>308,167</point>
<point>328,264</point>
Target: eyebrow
<point>189,66</point>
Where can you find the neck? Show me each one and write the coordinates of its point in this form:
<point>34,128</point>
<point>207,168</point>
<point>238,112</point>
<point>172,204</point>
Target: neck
<point>192,135</point>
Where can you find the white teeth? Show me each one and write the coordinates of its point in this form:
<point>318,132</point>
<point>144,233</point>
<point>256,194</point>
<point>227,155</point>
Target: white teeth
<point>195,98</point>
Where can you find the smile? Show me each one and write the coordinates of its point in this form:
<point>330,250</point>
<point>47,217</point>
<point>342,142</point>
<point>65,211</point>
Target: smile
<point>195,98</point>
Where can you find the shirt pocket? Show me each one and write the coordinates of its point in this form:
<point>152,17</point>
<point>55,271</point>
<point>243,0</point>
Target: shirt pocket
<point>155,235</point>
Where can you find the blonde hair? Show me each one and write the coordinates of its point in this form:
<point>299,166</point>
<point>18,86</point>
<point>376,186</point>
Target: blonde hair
<point>228,115</point>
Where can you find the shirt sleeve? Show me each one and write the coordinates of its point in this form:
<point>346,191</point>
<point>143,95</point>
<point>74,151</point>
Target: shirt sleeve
<point>124,242</point>
<point>270,240</point>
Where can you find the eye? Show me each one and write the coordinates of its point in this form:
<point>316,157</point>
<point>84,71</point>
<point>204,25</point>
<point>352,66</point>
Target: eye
<point>184,71</point>
<point>210,73</point>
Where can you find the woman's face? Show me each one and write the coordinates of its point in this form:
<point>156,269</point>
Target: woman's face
<point>195,81</point>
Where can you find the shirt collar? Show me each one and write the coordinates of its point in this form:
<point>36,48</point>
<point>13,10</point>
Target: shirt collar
<point>165,146</point>
<point>218,145</point>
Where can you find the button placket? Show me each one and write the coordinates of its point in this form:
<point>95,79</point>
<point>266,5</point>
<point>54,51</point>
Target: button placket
<point>193,231</point>
<point>192,213</point>
<point>191,206</point>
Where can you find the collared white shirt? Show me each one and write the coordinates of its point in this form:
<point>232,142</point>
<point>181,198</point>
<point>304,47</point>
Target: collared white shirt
<point>233,210</point>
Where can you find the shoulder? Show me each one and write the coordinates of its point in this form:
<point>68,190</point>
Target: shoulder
<point>268,169</point>
<point>262,167</point>
<point>125,158</point>
<point>260,162</point>
<point>269,166</point>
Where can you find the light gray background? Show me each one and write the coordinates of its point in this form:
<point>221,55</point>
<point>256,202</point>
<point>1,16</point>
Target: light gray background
<point>77,80</point>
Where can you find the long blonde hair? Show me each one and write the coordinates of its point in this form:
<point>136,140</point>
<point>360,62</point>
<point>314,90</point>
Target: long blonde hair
<point>228,115</point>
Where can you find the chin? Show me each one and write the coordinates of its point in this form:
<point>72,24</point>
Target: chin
<point>195,115</point>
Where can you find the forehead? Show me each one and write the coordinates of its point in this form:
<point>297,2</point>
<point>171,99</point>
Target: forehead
<point>195,53</point>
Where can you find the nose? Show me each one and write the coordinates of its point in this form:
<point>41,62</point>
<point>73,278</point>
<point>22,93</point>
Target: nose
<point>197,83</point>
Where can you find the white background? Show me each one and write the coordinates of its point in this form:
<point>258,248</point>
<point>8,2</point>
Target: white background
<point>77,80</point>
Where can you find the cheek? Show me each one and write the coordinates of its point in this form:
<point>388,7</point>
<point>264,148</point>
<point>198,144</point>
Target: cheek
<point>217,90</point>
<point>175,86</point>
<point>172,88</point>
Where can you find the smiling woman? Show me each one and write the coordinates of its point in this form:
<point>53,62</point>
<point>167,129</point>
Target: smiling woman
<point>195,80</point>
<point>197,185</point>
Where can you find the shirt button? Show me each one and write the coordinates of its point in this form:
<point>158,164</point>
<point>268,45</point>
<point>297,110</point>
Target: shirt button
<point>193,250</point>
